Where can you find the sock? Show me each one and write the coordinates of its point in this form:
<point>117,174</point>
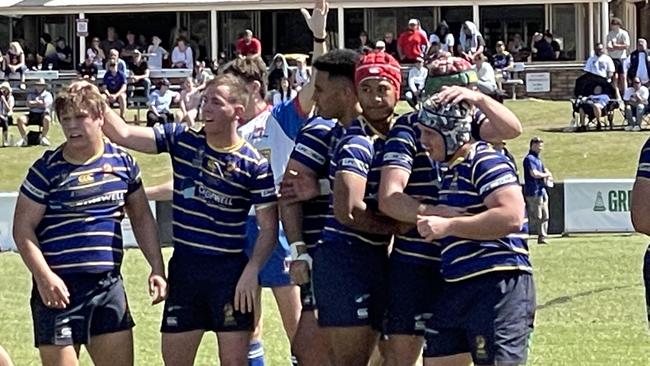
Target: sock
<point>294,360</point>
<point>256,354</point>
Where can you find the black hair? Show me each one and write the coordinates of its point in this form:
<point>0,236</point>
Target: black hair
<point>442,30</point>
<point>46,37</point>
<point>338,63</point>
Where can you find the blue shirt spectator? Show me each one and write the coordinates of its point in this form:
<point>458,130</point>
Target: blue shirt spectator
<point>533,187</point>
<point>114,80</point>
<point>161,99</point>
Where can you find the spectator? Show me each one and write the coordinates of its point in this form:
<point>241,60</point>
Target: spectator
<point>15,62</point>
<point>421,30</point>
<point>39,102</point>
<point>636,103</point>
<point>443,37</point>
<point>536,179</point>
<point>618,42</point>
<point>127,53</point>
<point>364,42</point>
<point>640,62</point>
<point>285,93</point>
<point>411,43</point>
<point>87,69</point>
<point>249,46</point>
<point>600,63</point>
<point>279,69</point>
<point>7,103</point>
<point>435,52</point>
<point>114,55</point>
<point>380,46</point>
<point>545,48</point>
<point>470,41</point>
<point>160,101</point>
<point>64,52</point>
<point>190,102</point>
<point>156,54</point>
<point>201,75</point>
<point>48,56</point>
<point>593,106</point>
<point>487,82</point>
<point>96,53</point>
<point>115,87</point>
<point>140,73</point>
<point>301,75</point>
<point>183,33</point>
<point>503,64</point>
<point>182,57</point>
<point>391,44</point>
<point>416,81</point>
<point>516,44</point>
<point>111,42</point>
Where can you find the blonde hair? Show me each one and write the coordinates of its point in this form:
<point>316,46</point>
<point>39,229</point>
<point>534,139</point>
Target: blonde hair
<point>237,87</point>
<point>16,47</point>
<point>80,97</point>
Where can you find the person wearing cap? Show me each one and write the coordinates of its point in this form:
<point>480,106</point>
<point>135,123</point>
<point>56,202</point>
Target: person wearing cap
<point>639,62</point>
<point>411,44</point>
<point>160,101</point>
<point>248,46</point>
<point>140,73</point>
<point>486,304</point>
<point>115,86</point>
<point>618,44</point>
<point>502,62</point>
<point>87,69</point>
<point>416,80</point>
<point>39,102</point>
<point>7,103</point>
<point>536,180</point>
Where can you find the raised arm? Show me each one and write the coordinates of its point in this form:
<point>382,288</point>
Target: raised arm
<point>137,138</point>
<point>316,22</point>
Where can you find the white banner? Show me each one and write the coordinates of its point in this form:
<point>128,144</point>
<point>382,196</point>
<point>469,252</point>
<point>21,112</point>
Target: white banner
<point>597,205</point>
<point>8,202</point>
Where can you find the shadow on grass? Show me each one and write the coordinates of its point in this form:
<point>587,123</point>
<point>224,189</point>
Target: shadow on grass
<point>566,299</point>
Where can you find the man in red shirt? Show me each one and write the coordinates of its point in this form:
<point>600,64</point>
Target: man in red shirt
<point>249,45</point>
<point>411,44</point>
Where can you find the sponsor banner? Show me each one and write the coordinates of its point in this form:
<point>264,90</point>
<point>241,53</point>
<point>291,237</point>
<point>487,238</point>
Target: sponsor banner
<point>597,205</point>
<point>7,204</point>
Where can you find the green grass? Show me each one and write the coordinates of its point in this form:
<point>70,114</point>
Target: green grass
<point>589,293</point>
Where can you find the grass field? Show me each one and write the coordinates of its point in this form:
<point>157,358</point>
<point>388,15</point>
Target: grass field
<point>610,154</point>
<point>589,294</point>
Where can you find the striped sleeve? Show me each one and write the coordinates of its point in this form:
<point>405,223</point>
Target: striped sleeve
<point>477,121</point>
<point>354,156</point>
<point>167,135</point>
<point>400,148</point>
<point>134,176</point>
<point>643,171</point>
<point>262,185</point>
<point>36,184</point>
<point>312,146</point>
<point>492,171</point>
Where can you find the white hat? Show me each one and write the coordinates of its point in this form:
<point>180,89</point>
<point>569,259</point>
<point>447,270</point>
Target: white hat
<point>414,21</point>
<point>380,44</point>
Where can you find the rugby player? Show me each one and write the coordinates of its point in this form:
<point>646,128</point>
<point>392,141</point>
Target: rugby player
<point>218,176</point>
<point>641,212</point>
<point>408,187</point>
<point>67,227</point>
<point>304,217</point>
<point>487,303</point>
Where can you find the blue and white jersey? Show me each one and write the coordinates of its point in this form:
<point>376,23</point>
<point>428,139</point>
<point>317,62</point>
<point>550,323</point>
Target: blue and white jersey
<point>359,152</point>
<point>466,185</point>
<point>81,229</point>
<point>643,171</point>
<point>404,151</point>
<point>313,149</point>
<point>214,189</point>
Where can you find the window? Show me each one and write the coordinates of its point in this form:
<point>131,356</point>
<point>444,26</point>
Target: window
<point>509,24</point>
<point>564,29</point>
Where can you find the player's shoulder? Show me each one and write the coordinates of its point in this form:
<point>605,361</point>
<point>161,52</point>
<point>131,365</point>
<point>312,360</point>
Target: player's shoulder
<point>482,151</point>
<point>249,153</point>
<point>50,158</point>
<point>318,124</point>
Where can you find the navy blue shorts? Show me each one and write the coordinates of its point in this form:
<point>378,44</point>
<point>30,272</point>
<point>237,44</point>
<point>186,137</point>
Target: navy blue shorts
<point>275,272</point>
<point>350,284</point>
<point>413,287</point>
<point>491,316</point>
<point>202,292</point>
<point>97,306</point>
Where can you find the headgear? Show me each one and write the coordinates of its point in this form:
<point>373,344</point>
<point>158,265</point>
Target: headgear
<point>452,121</point>
<point>379,65</point>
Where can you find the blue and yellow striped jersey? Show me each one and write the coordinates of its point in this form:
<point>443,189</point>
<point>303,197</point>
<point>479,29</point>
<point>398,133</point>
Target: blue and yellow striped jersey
<point>359,152</point>
<point>213,190</point>
<point>81,229</point>
<point>313,148</point>
<point>643,171</point>
<point>404,151</point>
<point>466,184</point>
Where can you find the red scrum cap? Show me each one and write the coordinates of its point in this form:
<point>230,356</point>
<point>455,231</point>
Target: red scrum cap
<point>379,65</point>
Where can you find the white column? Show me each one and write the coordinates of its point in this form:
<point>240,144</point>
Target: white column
<point>591,28</point>
<point>341,26</point>
<point>604,20</point>
<point>214,35</point>
<point>82,41</point>
<point>476,16</point>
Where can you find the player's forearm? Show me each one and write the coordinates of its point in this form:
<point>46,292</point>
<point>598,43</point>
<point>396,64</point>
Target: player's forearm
<point>504,125</point>
<point>492,224</point>
<point>30,253</point>
<point>137,138</point>
<point>360,217</point>
<point>265,244</point>
<point>291,217</point>
<point>146,234</point>
<point>401,207</point>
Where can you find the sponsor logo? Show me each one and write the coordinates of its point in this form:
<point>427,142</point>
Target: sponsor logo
<point>229,316</point>
<point>362,313</point>
<point>353,163</point>
<point>86,178</point>
<point>481,350</point>
<point>107,168</point>
<point>172,321</point>
<point>214,197</point>
<point>617,201</point>
<point>268,192</point>
<point>307,151</point>
<point>108,197</point>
